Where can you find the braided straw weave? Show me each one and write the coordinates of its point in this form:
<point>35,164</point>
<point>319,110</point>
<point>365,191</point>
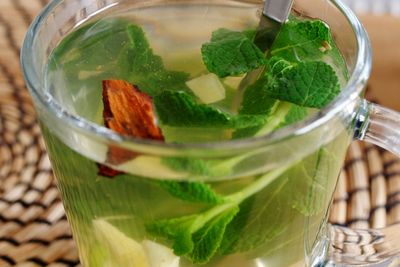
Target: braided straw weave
<point>33,227</point>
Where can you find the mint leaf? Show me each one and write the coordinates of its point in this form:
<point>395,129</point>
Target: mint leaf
<point>205,168</point>
<point>177,229</point>
<point>245,121</point>
<point>284,114</point>
<point>179,109</point>
<point>104,37</point>
<point>208,239</point>
<point>231,53</point>
<point>293,76</point>
<point>85,57</point>
<point>234,230</point>
<point>316,171</point>
<point>223,34</point>
<point>295,114</point>
<point>298,41</point>
<point>145,69</point>
<point>191,191</point>
<point>191,165</point>
<point>309,84</point>
<point>145,60</point>
<point>199,236</point>
<point>193,236</point>
<point>257,100</point>
<point>261,219</point>
<point>247,132</point>
<point>277,66</point>
<point>250,33</point>
<point>160,81</point>
<point>308,41</point>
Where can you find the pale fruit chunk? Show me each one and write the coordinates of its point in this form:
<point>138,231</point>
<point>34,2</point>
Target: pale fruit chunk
<point>233,82</point>
<point>149,166</point>
<point>208,88</point>
<point>159,255</point>
<point>124,251</point>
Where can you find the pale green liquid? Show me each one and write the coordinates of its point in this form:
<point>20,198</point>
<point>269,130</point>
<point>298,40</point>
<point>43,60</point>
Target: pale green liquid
<point>283,210</point>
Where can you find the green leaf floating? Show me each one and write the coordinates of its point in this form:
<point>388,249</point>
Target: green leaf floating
<point>145,69</point>
<point>295,114</point>
<point>191,191</point>
<point>311,84</point>
<point>190,165</point>
<point>257,100</point>
<point>180,109</point>
<point>315,171</point>
<point>261,218</point>
<point>196,237</point>
<point>199,236</point>
<point>177,229</point>
<point>308,41</point>
<point>231,53</point>
<point>208,239</point>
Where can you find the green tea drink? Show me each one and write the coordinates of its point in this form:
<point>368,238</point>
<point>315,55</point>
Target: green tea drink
<point>142,74</point>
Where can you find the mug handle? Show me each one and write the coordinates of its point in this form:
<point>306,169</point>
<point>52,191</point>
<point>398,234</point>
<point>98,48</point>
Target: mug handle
<point>381,247</point>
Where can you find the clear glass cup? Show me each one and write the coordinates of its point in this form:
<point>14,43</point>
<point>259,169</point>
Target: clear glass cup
<point>282,183</point>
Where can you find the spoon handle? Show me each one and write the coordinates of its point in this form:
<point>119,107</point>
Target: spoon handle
<point>277,9</point>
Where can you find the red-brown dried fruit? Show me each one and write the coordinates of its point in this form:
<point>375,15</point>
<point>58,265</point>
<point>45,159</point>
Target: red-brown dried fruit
<point>107,171</point>
<point>130,112</point>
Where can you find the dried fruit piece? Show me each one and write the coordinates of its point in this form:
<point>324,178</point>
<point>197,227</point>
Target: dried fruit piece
<point>130,112</point>
<point>107,171</point>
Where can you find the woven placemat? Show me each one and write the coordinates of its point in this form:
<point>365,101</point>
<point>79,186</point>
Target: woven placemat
<point>33,227</point>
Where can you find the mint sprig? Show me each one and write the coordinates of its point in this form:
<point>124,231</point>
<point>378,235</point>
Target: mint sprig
<point>298,41</point>
<point>315,172</point>
<point>206,168</point>
<point>231,53</point>
<point>311,84</point>
<point>257,100</point>
<point>284,115</point>
<point>179,109</point>
<point>199,236</point>
<point>308,41</point>
<point>261,218</point>
<point>192,191</point>
<point>144,68</point>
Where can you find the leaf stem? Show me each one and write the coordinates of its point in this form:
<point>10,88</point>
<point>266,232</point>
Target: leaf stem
<point>235,199</point>
<point>256,186</point>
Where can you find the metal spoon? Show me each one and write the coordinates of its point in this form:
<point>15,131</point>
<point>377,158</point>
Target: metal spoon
<point>275,14</point>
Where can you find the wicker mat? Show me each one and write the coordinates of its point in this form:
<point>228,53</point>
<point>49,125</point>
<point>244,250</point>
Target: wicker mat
<point>33,227</point>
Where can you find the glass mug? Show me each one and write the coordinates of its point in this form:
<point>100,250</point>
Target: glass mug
<point>275,189</point>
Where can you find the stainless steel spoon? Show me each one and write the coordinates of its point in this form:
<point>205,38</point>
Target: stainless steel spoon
<point>275,14</point>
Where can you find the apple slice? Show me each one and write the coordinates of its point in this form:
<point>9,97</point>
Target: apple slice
<point>207,88</point>
<point>159,255</point>
<point>124,251</point>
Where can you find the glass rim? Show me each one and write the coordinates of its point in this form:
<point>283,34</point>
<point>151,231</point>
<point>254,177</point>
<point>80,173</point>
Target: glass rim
<point>350,92</point>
